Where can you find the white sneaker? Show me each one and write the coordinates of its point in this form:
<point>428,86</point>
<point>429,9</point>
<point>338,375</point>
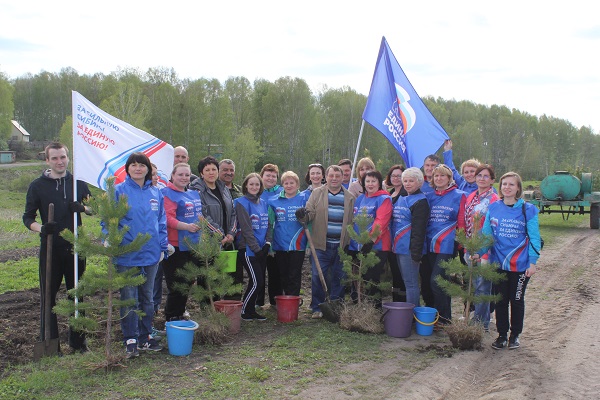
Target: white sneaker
<point>317,315</point>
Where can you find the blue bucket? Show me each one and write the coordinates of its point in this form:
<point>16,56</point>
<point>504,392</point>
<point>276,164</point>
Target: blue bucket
<point>180,336</point>
<point>426,317</point>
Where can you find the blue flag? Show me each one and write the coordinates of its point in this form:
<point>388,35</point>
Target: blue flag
<point>396,110</point>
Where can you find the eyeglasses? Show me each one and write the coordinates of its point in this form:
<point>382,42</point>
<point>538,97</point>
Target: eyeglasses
<point>485,177</point>
<point>396,176</point>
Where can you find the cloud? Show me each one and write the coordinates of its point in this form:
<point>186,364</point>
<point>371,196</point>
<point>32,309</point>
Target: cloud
<point>589,33</point>
<point>17,45</point>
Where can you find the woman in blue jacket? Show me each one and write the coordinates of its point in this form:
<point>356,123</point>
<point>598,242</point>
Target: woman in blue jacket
<point>146,215</point>
<point>514,226</point>
<point>409,225</point>
<point>446,203</point>
<point>253,222</point>
<point>289,240</point>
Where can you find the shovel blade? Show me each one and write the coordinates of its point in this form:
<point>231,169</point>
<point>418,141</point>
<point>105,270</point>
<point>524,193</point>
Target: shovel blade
<point>45,348</point>
<point>331,310</point>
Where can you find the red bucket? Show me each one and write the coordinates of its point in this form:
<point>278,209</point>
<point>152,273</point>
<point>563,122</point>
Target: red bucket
<point>287,307</point>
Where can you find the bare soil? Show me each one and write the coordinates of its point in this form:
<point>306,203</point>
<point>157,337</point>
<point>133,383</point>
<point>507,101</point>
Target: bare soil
<point>559,356</point>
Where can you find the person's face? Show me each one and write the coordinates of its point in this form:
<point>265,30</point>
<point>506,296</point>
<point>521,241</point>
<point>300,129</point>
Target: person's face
<point>316,176</point>
<point>441,180</point>
<point>137,171</point>
<point>363,170</point>
<point>428,167</point>
<point>210,173</point>
<point>154,176</point>
<point>469,174</point>
<point>396,178</point>
<point>290,187</point>
<point>334,180</point>
<point>227,173</point>
<point>253,186</point>
<point>484,180</point>
<point>347,172</point>
<point>371,184</point>
<point>509,187</point>
<point>181,177</point>
<point>269,179</point>
<point>411,184</point>
<point>58,161</point>
<point>180,156</point>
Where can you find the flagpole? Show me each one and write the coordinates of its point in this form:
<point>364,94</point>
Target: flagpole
<point>362,126</point>
<point>75,255</point>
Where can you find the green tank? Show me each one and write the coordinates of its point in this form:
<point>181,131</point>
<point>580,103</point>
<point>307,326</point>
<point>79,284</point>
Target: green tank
<point>560,186</point>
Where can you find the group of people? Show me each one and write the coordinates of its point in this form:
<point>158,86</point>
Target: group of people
<point>414,215</point>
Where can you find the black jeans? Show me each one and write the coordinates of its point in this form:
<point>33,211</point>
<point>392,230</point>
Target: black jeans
<point>254,267</point>
<point>425,274</point>
<point>289,264</point>
<point>512,290</point>
<point>178,287</point>
<point>63,265</point>
<point>398,287</point>
<point>273,282</point>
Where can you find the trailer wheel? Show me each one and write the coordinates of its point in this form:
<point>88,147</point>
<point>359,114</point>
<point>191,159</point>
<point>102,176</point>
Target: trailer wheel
<point>595,216</point>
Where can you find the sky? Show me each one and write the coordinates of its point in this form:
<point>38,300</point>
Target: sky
<point>540,57</point>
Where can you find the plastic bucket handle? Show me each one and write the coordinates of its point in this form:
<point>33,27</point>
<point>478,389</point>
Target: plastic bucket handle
<point>437,316</point>
<point>186,328</point>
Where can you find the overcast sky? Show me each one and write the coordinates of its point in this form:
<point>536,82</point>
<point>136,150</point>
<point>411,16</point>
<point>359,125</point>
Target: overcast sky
<point>540,57</point>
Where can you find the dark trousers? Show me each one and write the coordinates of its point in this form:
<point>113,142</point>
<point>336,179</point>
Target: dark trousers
<point>289,264</point>
<point>178,287</point>
<point>512,290</point>
<point>442,302</point>
<point>254,266</point>
<point>371,280</point>
<point>272,280</point>
<point>158,287</point>
<point>398,287</point>
<point>425,274</point>
<point>63,265</point>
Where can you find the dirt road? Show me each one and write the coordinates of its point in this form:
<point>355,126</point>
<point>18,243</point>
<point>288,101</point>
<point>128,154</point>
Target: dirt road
<point>559,356</point>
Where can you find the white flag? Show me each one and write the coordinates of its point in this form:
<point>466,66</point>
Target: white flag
<point>102,144</point>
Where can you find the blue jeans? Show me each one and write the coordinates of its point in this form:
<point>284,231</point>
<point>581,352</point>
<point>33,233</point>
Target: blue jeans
<point>333,271</point>
<point>482,287</point>
<point>132,326</point>
<point>410,275</point>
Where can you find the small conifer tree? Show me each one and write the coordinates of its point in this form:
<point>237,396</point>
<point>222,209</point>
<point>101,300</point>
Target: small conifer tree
<point>469,272</point>
<point>217,282</point>
<point>95,310</point>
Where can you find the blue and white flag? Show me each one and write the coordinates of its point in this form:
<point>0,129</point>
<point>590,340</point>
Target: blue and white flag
<point>396,110</point>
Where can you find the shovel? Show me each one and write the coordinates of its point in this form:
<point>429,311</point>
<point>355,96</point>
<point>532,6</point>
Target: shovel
<point>330,309</point>
<point>47,346</point>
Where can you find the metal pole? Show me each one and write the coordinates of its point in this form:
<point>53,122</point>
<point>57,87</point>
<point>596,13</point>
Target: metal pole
<point>362,126</point>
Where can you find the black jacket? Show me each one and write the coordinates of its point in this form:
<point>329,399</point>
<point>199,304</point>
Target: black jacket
<point>45,190</point>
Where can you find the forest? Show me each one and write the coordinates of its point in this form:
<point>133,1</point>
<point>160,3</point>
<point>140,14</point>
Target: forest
<point>285,123</point>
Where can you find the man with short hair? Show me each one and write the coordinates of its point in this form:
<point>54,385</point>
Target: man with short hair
<point>226,175</point>
<point>55,186</point>
<point>330,208</point>
<point>346,166</point>
<point>431,161</point>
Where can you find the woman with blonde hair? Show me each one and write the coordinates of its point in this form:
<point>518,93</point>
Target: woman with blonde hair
<point>363,166</point>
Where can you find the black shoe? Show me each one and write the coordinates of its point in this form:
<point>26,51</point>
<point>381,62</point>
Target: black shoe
<point>247,317</point>
<point>259,317</point>
<point>513,343</point>
<point>150,345</point>
<point>131,349</point>
<point>499,343</point>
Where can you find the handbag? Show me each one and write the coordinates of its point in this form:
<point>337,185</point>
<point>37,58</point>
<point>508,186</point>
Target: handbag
<point>527,233</point>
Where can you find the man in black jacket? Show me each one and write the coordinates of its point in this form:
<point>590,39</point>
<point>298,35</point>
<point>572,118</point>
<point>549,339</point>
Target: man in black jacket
<point>55,185</point>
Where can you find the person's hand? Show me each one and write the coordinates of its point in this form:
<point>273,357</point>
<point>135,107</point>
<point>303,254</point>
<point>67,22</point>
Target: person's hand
<point>475,258</point>
<point>530,271</point>
<point>367,247</point>
<point>192,228</point>
<point>301,213</point>
<point>76,207</point>
<point>162,256</point>
<point>447,144</point>
<point>105,243</point>
<point>49,228</point>
<point>170,250</point>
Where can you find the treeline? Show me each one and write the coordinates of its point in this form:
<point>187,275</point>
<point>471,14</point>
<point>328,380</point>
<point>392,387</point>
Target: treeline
<point>284,122</point>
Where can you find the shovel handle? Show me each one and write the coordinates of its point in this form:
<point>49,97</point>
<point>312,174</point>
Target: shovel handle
<point>48,280</point>
<point>314,254</point>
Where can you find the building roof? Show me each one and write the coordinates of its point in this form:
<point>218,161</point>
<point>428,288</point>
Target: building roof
<point>20,128</point>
